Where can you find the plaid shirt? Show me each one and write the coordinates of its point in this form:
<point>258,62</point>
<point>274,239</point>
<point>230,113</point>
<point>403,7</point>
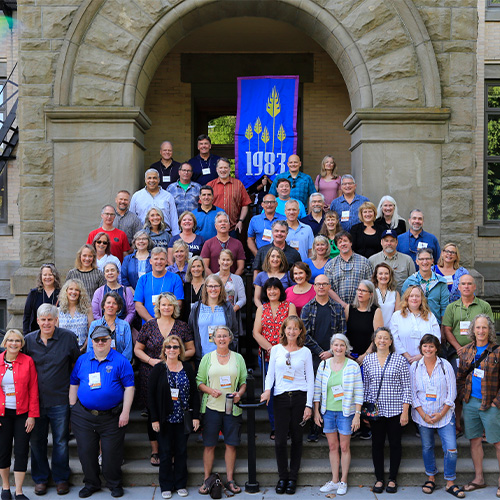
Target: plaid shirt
<point>302,186</point>
<point>489,383</point>
<point>345,276</point>
<point>308,315</point>
<point>185,200</point>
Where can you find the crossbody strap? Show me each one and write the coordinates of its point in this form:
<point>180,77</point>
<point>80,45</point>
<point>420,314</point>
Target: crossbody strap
<point>382,377</point>
<point>479,361</point>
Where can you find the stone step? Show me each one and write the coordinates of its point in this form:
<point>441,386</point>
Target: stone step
<point>313,472</point>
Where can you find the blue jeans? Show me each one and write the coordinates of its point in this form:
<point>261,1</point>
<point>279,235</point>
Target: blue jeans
<point>270,406</point>
<point>58,417</point>
<point>448,438</point>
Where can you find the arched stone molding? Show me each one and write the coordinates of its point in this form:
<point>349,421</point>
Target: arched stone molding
<point>382,48</point>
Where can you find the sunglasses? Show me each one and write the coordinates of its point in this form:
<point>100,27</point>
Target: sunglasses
<point>102,242</point>
<point>175,347</point>
<point>101,340</point>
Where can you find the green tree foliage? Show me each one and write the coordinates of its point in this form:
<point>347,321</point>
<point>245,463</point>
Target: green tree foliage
<point>221,129</point>
<point>493,153</point>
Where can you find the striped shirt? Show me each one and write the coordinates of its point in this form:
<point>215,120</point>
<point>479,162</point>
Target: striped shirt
<point>443,381</point>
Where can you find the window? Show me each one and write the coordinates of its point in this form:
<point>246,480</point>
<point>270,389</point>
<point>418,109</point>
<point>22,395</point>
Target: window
<point>492,152</point>
<point>221,133</point>
<point>493,3</point>
<point>3,315</point>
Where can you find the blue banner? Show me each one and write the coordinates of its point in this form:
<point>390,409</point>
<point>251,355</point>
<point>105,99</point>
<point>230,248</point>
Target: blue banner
<point>266,126</point>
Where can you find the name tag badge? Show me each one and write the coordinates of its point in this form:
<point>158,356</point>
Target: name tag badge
<point>10,390</point>
<point>294,244</point>
<point>415,334</point>
<point>206,171</point>
<point>267,235</point>
<point>289,375</point>
<point>422,244</point>
<point>175,394</point>
<point>154,298</point>
<point>449,279</point>
<point>464,327</point>
<point>211,333</point>
<point>431,393</point>
<point>190,255</point>
<point>140,273</point>
<point>95,380</point>
<point>113,344</point>
<point>478,373</point>
<point>338,392</point>
<point>345,216</point>
<point>166,178</point>
<point>225,381</point>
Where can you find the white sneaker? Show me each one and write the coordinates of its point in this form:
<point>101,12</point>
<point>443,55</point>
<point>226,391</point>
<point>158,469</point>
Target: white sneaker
<point>182,492</point>
<point>166,494</point>
<point>342,490</point>
<point>329,486</point>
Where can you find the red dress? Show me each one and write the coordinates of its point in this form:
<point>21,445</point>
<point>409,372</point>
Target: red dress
<point>271,325</point>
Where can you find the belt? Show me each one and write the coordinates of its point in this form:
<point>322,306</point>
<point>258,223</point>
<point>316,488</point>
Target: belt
<point>97,413</point>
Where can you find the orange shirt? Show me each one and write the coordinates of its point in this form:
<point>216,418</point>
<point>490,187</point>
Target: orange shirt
<point>231,197</point>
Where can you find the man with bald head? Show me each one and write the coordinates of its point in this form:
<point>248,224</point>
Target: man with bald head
<point>167,167</point>
<point>301,184</point>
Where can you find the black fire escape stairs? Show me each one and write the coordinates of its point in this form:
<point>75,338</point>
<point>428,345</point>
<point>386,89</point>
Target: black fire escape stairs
<point>9,131</point>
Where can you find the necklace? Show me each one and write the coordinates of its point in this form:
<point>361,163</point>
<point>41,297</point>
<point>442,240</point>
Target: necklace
<point>223,355</point>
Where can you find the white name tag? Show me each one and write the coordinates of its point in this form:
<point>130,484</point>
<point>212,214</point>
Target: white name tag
<point>345,216</point>
<point>206,171</point>
<point>175,394</point>
<point>113,344</point>
<point>431,393</point>
<point>10,390</point>
<point>190,255</point>
<point>289,375</point>
<point>449,279</point>
<point>154,298</point>
<point>225,381</point>
<point>166,178</point>
<point>422,244</point>
<point>267,235</point>
<point>415,334</point>
<point>294,244</point>
<point>478,373</point>
<point>95,380</point>
<point>211,332</point>
<point>464,327</point>
<point>338,392</point>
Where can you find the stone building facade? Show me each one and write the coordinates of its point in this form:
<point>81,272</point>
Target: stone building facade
<point>388,86</point>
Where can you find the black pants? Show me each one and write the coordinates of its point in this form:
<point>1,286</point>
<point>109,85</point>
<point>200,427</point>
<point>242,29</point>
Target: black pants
<point>172,443</point>
<point>89,430</point>
<point>288,413</point>
<point>392,428</point>
<point>13,428</point>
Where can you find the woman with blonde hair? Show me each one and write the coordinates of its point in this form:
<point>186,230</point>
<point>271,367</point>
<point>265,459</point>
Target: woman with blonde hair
<point>328,181</point>
<point>193,284</point>
<point>320,255</point>
<point>331,226</point>
<point>448,266</point>
<point>156,228</point>
<point>86,270</point>
<point>180,252</point>
<point>385,288</point>
<point>388,217</point>
<point>187,225</point>
<point>365,235</point>
<point>75,311</point>
<point>411,323</point>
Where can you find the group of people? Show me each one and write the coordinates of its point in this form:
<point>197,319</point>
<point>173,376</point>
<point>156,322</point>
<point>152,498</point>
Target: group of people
<point>355,322</point>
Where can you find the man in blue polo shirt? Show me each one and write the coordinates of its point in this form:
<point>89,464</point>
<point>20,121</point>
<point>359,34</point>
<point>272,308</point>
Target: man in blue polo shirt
<point>347,205</point>
<point>151,285</point>
<point>260,227</point>
<point>205,214</point>
<point>416,238</point>
<point>204,164</point>
<point>100,397</point>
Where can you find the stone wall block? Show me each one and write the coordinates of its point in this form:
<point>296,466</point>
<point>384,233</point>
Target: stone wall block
<point>404,92</point>
<point>31,25</point>
<point>39,90</point>
<point>397,64</point>
<point>468,46</point>
<point>456,181</point>
<point>36,203</point>
<point>96,92</point>
<point>437,21</point>
<point>36,159</point>
<point>457,134</point>
<point>446,3</point>
<point>128,16</point>
<point>443,62</point>
<point>390,36</point>
<point>39,69</point>
<point>56,21</point>
<point>462,69</point>
<point>38,226</point>
<point>36,248</point>
<point>457,204</point>
<point>112,38</point>
<point>94,61</point>
<point>464,24</point>
<point>156,8</point>
<point>37,181</point>
<point>34,135</point>
<point>463,111</point>
<point>32,44</point>
<point>366,17</point>
<point>30,113</point>
<point>339,8</point>
<point>457,158</point>
<point>459,91</point>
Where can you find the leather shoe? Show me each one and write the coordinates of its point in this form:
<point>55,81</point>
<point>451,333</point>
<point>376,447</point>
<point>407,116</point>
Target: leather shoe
<point>281,487</point>
<point>87,491</point>
<point>378,489</point>
<point>392,489</point>
<point>62,488</point>
<point>291,487</point>
<point>40,488</point>
<point>117,492</point>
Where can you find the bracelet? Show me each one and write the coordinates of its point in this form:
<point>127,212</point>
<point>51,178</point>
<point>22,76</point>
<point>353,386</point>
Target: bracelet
<point>149,359</point>
<point>358,412</point>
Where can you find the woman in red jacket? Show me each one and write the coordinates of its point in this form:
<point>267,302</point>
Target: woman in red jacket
<point>18,409</point>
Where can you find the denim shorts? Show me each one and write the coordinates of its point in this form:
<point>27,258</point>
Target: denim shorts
<point>334,421</point>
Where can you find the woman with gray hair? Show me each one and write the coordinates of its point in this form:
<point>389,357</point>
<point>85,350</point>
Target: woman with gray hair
<point>338,397</point>
<point>388,217</point>
<point>137,263</point>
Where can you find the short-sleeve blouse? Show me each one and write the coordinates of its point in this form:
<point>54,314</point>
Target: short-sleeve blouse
<point>78,324</point>
<point>271,324</point>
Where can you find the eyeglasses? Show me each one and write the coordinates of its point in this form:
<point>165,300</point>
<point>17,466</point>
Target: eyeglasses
<point>185,170</point>
<point>109,215</point>
<point>101,340</point>
<point>363,291</point>
<point>424,259</point>
<point>213,287</point>
<point>450,252</point>
<point>321,284</point>
<point>265,202</point>
<point>15,341</point>
<point>101,242</point>
<point>175,347</point>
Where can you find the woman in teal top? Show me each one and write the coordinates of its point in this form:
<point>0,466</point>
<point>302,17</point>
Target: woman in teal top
<point>338,397</point>
<point>331,226</point>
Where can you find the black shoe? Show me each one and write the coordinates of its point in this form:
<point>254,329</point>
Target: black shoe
<point>313,437</point>
<point>291,487</point>
<point>281,487</point>
<point>117,492</point>
<point>378,489</point>
<point>6,495</point>
<point>392,489</point>
<point>22,496</point>
<point>87,491</point>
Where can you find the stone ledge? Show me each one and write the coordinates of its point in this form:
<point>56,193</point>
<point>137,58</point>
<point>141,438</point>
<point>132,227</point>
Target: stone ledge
<point>489,231</point>
<point>6,229</point>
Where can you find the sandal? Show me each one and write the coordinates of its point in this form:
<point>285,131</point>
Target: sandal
<point>232,487</point>
<point>455,491</point>
<point>498,492</point>
<point>203,489</point>
<point>155,459</point>
<point>429,485</point>
<point>471,486</point>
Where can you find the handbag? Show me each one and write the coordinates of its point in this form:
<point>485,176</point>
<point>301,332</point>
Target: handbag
<point>214,485</point>
<point>188,422</point>
<point>370,410</point>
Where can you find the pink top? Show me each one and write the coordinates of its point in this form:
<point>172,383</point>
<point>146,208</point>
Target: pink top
<point>329,189</point>
<point>299,299</point>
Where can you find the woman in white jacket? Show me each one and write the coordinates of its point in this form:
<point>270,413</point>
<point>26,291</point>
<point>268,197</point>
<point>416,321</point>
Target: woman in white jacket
<point>338,397</point>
